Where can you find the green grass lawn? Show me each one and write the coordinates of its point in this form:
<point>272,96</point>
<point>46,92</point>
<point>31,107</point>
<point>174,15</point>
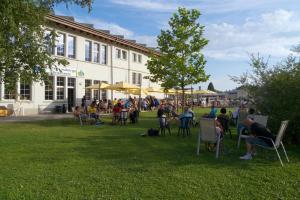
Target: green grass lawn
<point>61,160</point>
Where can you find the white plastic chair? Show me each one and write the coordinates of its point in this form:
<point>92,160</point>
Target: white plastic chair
<point>278,141</point>
<point>261,119</point>
<point>208,133</point>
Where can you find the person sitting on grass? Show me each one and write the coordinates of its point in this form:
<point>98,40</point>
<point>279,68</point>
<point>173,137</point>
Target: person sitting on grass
<point>258,136</point>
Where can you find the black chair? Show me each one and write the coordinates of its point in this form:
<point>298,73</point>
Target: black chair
<point>224,121</point>
<point>184,127</point>
<point>163,125</point>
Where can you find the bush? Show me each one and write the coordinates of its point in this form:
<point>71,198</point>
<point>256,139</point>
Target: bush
<point>276,92</point>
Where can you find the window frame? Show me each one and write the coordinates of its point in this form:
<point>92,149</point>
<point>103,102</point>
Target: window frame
<point>59,88</point>
<point>58,44</point>
<point>25,90</point>
<point>74,47</point>
<point>89,51</point>
<point>105,54</point>
<point>49,89</point>
<point>96,52</point>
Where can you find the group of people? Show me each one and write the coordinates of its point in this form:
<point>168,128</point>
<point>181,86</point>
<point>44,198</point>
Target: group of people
<point>119,108</point>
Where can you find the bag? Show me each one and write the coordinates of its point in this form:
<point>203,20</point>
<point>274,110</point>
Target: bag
<point>153,132</point>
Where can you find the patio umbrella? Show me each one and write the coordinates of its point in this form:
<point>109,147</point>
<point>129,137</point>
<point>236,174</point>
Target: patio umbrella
<point>155,89</point>
<point>204,92</point>
<point>122,86</point>
<point>137,91</point>
<point>98,86</point>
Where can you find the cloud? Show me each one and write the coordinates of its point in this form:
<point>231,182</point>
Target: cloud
<point>119,30</point>
<point>271,33</point>
<point>155,5</point>
<point>207,6</point>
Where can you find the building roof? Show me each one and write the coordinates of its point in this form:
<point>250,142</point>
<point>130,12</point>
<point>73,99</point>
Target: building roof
<point>69,22</point>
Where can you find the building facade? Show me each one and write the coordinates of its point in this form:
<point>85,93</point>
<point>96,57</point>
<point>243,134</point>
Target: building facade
<point>94,56</point>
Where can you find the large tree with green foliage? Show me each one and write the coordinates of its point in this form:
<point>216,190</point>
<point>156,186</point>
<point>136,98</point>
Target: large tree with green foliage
<point>23,44</point>
<point>275,91</point>
<point>180,62</point>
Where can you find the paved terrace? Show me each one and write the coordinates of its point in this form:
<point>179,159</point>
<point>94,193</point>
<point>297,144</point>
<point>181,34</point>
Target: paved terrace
<point>39,117</point>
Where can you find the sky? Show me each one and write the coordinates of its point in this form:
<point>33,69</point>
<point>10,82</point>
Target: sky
<point>235,28</point>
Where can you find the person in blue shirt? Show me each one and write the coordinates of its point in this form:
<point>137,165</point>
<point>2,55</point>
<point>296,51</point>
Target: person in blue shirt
<point>213,112</point>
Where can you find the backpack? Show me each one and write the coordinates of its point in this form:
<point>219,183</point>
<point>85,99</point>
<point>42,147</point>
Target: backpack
<point>153,132</point>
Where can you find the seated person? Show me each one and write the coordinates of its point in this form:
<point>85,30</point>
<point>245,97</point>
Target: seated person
<point>161,111</point>
<point>213,112</point>
<point>116,112</point>
<point>186,113</point>
<point>79,111</point>
<point>92,110</point>
<point>224,119</point>
<point>133,114</point>
<point>258,136</point>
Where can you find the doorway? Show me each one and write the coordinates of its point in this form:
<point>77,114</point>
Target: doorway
<point>71,99</point>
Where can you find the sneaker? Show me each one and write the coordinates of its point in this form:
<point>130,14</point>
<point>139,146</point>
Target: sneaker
<point>246,157</point>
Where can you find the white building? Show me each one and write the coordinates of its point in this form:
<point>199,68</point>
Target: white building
<point>93,56</point>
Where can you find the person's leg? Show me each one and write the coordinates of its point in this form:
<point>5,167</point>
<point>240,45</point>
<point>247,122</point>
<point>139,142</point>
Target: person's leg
<point>249,147</point>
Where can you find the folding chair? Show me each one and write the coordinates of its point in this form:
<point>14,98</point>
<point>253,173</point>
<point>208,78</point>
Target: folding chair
<point>184,127</point>
<point>208,133</point>
<point>261,119</point>
<point>163,125</point>
<point>278,141</point>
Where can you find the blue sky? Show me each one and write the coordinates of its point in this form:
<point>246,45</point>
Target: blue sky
<point>235,28</point>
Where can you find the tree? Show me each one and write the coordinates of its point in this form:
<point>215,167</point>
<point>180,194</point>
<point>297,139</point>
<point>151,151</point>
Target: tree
<point>211,87</point>
<point>180,62</point>
<point>24,48</point>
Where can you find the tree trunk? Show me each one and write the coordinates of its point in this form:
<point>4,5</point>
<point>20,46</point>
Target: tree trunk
<point>182,98</point>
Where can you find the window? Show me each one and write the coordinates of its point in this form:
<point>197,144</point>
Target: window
<point>48,42</point>
<point>133,78</point>
<point>96,52</point>
<point>124,55</point>
<point>104,92</point>
<point>71,47</point>
<point>60,88</point>
<point>24,90</point>
<point>103,54</point>
<point>134,57</point>
<point>88,92</point>
<point>9,90</point>
<point>71,82</point>
<point>96,92</point>
<point>60,49</point>
<point>139,81</point>
<point>118,53</point>
<point>140,58</point>
<point>49,88</point>
<point>88,51</point>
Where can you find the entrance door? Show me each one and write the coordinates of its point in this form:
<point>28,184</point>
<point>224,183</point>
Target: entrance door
<point>71,99</point>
